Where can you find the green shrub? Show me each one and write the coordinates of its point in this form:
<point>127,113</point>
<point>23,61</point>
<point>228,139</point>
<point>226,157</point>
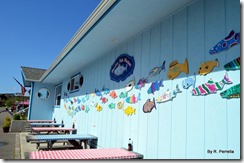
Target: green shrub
<point>16,117</point>
<point>6,122</point>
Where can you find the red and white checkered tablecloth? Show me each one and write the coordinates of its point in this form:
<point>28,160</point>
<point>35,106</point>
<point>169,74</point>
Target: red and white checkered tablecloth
<point>102,153</point>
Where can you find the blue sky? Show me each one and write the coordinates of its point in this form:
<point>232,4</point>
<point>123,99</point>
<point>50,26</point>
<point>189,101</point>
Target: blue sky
<point>34,32</point>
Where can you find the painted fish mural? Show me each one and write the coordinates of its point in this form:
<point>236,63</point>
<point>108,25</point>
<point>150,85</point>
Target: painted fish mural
<point>207,67</point>
<point>105,90</point>
<point>123,94</point>
<point>232,92</point>
<point>149,105</point>
<point>111,106</point>
<point>130,111</point>
<point>156,70</point>
<point>155,86</point>
<point>97,92</point>
<point>175,68</point>
<point>133,99</point>
<point>104,100</point>
<point>233,65</point>
<point>232,39</point>
<point>189,81</point>
<point>130,85</point>
<point>113,94</point>
<point>141,83</point>
<point>168,95</point>
<point>99,107</point>
<point>120,104</point>
<point>211,87</point>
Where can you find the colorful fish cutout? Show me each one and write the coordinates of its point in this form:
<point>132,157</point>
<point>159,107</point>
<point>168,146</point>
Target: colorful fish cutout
<point>168,95</point>
<point>189,81</point>
<point>113,94</point>
<point>105,90</point>
<point>233,65</point>
<point>232,39</point>
<point>207,67</point>
<point>104,100</point>
<point>129,111</point>
<point>130,85</point>
<point>111,106</point>
<point>99,107</point>
<point>156,70</point>
<point>211,87</point>
<point>97,92</point>
<point>149,105</point>
<point>232,92</point>
<point>155,86</point>
<point>175,68</point>
<point>141,83</point>
<point>120,104</point>
<point>133,99</point>
<point>123,94</point>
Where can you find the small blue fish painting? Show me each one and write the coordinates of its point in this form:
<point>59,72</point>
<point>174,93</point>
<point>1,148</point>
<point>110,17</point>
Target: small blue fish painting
<point>155,86</point>
<point>133,99</point>
<point>97,92</point>
<point>232,39</point>
<point>156,70</point>
<point>189,81</point>
<point>141,83</point>
<point>78,100</point>
<point>105,90</point>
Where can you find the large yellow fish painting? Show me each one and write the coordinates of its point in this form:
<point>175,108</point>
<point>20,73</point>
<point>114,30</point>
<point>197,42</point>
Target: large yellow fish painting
<point>175,68</point>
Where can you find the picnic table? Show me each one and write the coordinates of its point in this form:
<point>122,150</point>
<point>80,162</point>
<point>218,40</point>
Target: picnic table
<point>101,153</point>
<point>74,139</point>
<point>48,130</point>
<point>45,124</point>
<point>40,121</point>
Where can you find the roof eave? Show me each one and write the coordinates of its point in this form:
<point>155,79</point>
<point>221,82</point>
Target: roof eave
<point>88,24</point>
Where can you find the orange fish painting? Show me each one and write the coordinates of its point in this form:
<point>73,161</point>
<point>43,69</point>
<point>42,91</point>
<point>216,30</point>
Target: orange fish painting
<point>207,67</point>
<point>175,68</point>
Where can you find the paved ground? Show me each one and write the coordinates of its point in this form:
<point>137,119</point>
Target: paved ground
<point>7,140</point>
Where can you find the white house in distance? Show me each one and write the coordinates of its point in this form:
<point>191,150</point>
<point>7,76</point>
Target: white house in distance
<point>146,70</point>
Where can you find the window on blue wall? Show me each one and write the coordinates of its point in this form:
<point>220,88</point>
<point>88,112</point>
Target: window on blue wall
<point>74,83</point>
<point>58,90</point>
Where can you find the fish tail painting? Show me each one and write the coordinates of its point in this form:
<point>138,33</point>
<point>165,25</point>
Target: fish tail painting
<point>211,87</point>
<point>185,68</point>
<point>232,92</point>
<point>232,39</point>
<point>233,65</point>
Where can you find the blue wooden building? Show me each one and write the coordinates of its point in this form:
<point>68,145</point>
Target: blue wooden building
<point>131,69</point>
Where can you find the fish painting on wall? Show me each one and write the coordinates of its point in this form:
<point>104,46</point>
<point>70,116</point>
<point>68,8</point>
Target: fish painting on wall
<point>232,39</point>
<point>232,92</point>
<point>211,87</point>
<point>175,68</point>
<point>155,86</point>
<point>189,81</point>
<point>233,65</point>
<point>207,67</point>
<point>156,70</point>
<point>168,95</point>
<point>149,105</point>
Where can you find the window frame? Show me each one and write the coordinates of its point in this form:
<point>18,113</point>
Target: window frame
<point>58,95</point>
